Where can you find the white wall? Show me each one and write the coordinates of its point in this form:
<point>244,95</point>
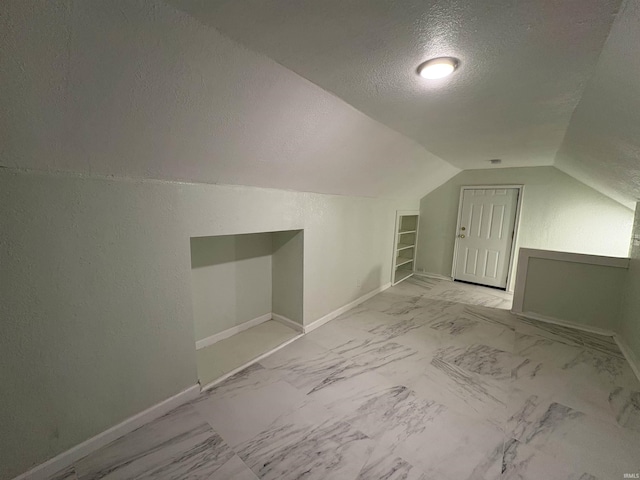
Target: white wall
<point>288,275</point>
<point>630,320</point>
<point>601,147</point>
<point>576,289</point>
<point>137,88</point>
<point>96,302</point>
<point>97,319</point>
<point>237,278</point>
<point>558,213</point>
<point>230,281</point>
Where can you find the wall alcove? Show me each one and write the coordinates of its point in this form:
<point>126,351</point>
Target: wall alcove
<point>247,297</point>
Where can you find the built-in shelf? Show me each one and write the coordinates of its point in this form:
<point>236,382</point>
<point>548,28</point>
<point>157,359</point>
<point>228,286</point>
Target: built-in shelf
<point>402,275</point>
<point>403,261</point>
<point>406,239</point>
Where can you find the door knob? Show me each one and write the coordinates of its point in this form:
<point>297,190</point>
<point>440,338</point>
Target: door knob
<point>461,236</point>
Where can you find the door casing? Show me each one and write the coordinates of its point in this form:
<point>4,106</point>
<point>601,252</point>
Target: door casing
<point>516,227</point>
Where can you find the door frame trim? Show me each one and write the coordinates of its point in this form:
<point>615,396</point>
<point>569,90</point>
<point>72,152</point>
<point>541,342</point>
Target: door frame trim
<point>516,227</point>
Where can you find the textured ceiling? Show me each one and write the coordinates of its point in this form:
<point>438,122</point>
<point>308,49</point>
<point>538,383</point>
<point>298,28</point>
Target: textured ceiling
<point>524,64</point>
<point>149,89</point>
<point>602,145</point>
<point>140,89</point>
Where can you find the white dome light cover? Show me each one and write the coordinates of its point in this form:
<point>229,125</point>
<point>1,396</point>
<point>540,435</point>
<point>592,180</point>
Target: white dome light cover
<point>437,67</point>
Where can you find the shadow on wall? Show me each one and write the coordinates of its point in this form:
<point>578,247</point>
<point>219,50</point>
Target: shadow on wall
<point>371,281</point>
<point>287,274</point>
<point>240,278</point>
<point>218,250</point>
<point>557,213</point>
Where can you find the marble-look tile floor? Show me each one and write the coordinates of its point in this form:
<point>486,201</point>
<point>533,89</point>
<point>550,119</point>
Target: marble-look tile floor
<point>231,353</point>
<point>429,380</point>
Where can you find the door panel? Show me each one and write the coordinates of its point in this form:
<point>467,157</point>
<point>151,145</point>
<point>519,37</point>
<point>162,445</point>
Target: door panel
<point>471,261</point>
<point>484,235</point>
<point>491,268</point>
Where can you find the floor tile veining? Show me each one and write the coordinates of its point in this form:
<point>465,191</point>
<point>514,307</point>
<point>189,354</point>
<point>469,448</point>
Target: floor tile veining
<point>428,380</point>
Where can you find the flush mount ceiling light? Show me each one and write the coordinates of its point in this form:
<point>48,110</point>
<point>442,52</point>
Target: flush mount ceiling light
<point>437,67</point>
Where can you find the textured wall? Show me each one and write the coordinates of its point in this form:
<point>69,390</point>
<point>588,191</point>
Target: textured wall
<point>558,213</point>
<point>96,310</point>
<point>630,323</point>
<point>288,275</point>
<point>580,293</point>
<point>230,281</point>
<point>137,88</point>
<point>602,144</point>
<point>523,64</point>
<point>96,301</point>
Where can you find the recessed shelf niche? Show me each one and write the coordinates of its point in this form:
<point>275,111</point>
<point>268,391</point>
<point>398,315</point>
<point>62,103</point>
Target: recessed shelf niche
<point>246,295</point>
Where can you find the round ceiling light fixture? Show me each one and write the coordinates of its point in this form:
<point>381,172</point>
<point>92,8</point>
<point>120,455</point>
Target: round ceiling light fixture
<point>437,67</point>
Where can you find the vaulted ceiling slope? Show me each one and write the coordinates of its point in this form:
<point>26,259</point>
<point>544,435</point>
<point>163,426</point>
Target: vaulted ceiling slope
<point>602,145</point>
<point>523,64</point>
<point>141,89</point>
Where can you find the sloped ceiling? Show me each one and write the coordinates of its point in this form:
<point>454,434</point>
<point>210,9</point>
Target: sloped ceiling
<point>602,145</point>
<point>140,89</point>
<point>153,89</point>
<point>540,83</point>
<point>523,64</point>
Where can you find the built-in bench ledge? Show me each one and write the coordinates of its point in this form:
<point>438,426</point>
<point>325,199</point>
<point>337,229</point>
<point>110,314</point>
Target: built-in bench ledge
<point>582,291</point>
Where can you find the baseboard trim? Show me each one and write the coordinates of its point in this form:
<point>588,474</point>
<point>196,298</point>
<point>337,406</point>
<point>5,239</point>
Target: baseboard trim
<point>437,276</point>
<point>288,322</point>
<point>69,457</point>
<point>565,323</point>
<point>207,342</point>
<point>209,386</point>
<point>624,348</point>
<point>336,313</point>
<point>628,355</point>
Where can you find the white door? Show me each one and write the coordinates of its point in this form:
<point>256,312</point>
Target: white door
<point>485,235</point>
